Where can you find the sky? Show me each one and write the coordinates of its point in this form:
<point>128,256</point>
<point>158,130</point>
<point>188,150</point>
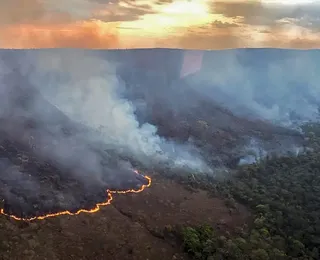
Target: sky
<point>187,24</point>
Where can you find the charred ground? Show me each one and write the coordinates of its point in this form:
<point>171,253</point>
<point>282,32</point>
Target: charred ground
<point>34,180</point>
<point>135,226</point>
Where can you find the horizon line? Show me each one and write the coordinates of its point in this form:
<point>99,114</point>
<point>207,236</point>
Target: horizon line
<point>160,48</point>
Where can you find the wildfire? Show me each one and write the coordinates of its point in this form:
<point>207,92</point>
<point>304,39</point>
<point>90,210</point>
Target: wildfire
<point>93,210</point>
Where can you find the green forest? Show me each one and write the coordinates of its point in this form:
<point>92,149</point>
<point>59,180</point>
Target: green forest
<point>283,195</point>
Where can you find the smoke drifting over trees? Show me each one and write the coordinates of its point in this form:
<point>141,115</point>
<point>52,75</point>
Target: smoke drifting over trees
<point>95,114</point>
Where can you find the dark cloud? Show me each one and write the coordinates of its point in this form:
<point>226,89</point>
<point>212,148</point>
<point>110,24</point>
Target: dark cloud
<point>127,11</point>
<point>257,13</point>
<point>162,2</point>
<point>61,11</point>
<point>22,12</point>
<point>309,22</point>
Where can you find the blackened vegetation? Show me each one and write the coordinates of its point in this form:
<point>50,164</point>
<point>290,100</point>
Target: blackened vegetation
<point>32,187</point>
<point>48,163</point>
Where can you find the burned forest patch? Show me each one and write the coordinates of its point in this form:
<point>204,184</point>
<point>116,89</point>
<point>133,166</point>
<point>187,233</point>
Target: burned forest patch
<point>32,188</point>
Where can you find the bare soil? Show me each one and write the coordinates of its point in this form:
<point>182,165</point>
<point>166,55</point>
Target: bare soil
<point>131,228</point>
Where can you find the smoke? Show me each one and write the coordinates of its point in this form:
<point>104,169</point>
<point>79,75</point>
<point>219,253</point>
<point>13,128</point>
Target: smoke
<point>85,88</point>
<point>276,85</point>
<point>255,151</point>
<point>112,123</point>
<point>65,111</point>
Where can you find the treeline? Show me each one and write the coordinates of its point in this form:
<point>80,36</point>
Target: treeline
<point>284,195</point>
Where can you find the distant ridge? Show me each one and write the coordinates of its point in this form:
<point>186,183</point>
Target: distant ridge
<point>159,48</point>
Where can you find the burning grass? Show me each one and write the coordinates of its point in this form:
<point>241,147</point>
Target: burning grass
<point>32,189</point>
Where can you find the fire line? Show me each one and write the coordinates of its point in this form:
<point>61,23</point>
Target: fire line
<point>93,210</point>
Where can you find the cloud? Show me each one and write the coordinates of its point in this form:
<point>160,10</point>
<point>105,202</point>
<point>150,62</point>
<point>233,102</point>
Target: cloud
<point>79,35</point>
<point>309,22</point>
<point>259,13</point>
<point>230,36</point>
<point>123,11</point>
<point>28,11</point>
<point>57,24</point>
<point>140,23</point>
<point>217,35</point>
<point>220,24</point>
<point>61,11</point>
<point>162,2</point>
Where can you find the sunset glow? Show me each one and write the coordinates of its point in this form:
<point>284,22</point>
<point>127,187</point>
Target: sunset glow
<point>159,23</point>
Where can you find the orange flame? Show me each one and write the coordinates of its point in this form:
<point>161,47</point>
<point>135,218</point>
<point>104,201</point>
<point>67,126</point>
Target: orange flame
<point>93,210</point>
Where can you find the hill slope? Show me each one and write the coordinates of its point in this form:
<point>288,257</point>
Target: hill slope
<point>31,126</point>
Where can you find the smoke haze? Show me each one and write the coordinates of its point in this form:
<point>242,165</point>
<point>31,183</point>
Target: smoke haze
<point>137,106</point>
<point>87,90</point>
<point>276,85</point>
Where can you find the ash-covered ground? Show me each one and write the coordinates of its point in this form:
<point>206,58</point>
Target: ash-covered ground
<point>75,123</point>
<point>48,163</point>
<point>35,187</point>
<point>35,184</point>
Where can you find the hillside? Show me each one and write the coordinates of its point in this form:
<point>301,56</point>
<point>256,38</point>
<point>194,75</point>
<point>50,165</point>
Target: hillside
<point>48,162</point>
<point>159,98</point>
<point>55,157</point>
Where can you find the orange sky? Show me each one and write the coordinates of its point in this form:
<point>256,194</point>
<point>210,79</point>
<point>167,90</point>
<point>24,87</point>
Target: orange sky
<point>196,24</point>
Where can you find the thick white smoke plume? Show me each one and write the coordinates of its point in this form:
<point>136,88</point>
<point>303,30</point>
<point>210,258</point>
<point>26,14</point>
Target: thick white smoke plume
<point>86,89</point>
<point>275,85</point>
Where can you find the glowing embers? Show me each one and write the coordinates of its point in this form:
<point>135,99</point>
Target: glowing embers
<point>96,208</point>
<point>31,189</point>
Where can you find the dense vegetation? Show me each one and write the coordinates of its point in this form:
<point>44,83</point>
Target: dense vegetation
<point>284,196</point>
